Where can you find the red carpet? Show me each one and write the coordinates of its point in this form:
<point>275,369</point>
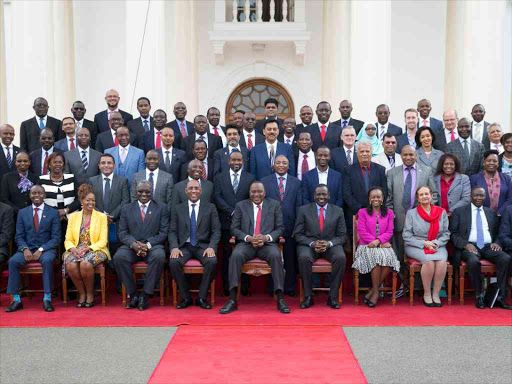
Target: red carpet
<point>258,355</point>
<point>256,310</point>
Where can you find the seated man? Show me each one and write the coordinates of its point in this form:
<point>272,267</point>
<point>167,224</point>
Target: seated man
<point>6,231</point>
<point>143,229</point>
<point>190,238</point>
<point>195,170</point>
<point>37,237</point>
<point>474,233</point>
<point>320,231</point>
<point>256,238</point>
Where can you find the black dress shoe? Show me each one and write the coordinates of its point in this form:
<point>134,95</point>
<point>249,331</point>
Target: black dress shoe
<point>500,303</point>
<point>203,304</point>
<point>15,305</point>
<point>48,306</point>
<point>245,292</point>
<point>430,305</point>
<point>229,307</point>
<point>480,304</point>
<point>308,302</point>
<point>185,303</point>
<point>291,293</point>
<point>281,305</point>
<point>143,303</point>
<point>333,303</point>
<point>134,302</point>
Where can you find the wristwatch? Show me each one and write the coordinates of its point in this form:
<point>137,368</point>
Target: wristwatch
<point>40,249</point>
<point>148,244</point>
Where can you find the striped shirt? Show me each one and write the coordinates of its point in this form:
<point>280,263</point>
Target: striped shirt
<point>60,195</point>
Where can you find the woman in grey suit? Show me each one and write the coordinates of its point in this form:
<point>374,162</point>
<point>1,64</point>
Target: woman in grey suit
<point>425,152</point>
<point>425,236</point>
<point>453,187</point>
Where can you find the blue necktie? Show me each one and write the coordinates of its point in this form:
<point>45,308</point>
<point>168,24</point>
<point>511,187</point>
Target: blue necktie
<point>406,202</point>
<point>193,226</point>
<point>146,126</point>
<point>366,178</point>
<point>41,124</point>
<point>9,158</point>
<point>344,124</point>
<point>480,242</point>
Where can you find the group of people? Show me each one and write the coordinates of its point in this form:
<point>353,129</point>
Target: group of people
<point>120,190</point>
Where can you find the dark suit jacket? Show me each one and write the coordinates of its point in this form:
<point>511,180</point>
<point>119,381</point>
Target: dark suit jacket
<point>105,141</point>
<point>295,149</point>
<point>48,235</point>
<point>221,157</point>
<point>332,136</point>
<point>292,199</point>
<point>4,166</point>
<point>357,124</point>
<point>338,160</point>
<point>36,164</point>
<point>177,160</point>
<point>259,125</point>
<point>307,228</point>
<point>177,133</point>
<point>214,144</point>
<point>153,229</point>
<point>435,124</point>
<point>75,166</point>
<point>179,195</point>
<point>260,162</point>
<point>354,190</point>
<point>11,195</point>
<point>401,141</point>
<point>485,139</point>
<point>30,132</point>
<point>93,130</point>
<point>392,128</point>
<point>226,199</point>
<point>162,191</point>
<point>271,220</point>
<point>474,163</point>
<point>6,225</point>
<point>135,126</point>
<point>210,173</point>
<point>101,120</point>
<point>207,223</point>
<point>440,143</point>
<point>334,185</point>
<point>147,140</point>
<point>119,194</point>
<point>478,180</point>
<point>62,144</point>
<point>259,139</point>
<point>505,232</point>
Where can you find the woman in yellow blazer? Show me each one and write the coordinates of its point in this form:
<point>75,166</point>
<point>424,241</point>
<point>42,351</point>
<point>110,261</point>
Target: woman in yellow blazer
<point>86,246</point>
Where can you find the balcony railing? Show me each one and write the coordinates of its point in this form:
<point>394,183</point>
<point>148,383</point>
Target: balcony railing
<point>261,11</point>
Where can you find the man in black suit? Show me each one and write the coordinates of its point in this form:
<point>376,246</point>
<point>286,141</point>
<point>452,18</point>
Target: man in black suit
<point>479,127</point>
<point>305,158</point>
<point>213,116</point>
<point>474,233</point>
<point>287,190</point>
<point>323,132</point>
<point>469,151</point>
<point>194,234</point>
<point>144,123</point>
<point>320,231</point>
<point>143,229</point>
<point>108,138</point>
<point>257,225</point>
<point>345,111</point>
<point>194,172</point>
<point>181,127</point>
<point>248,135</point>
<point>152,139</point>
<point>271,107</point>
<point>289,135</point>
<point>383,125</point>
<point>31,129</point>
<point>199,152</point>
<point>306,118</point>
<point>9,151</point>
<point>238,119</point>
<point>231,186</point>
<point>6,232</point>
<point>82,161</point>
<point>221,156</point>
<point>171,158</point>
<point>345,155</point>
<point>78,110</point>
<point>213,142</point>
<point>425,120</point>
<point>101,119</point>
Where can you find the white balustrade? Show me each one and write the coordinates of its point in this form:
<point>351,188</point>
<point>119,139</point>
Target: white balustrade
<point>244,7</point>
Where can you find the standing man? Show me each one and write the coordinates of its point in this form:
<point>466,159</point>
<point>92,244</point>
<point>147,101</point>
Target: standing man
<point>194,172</point>
<point>345,155</point>
<point>213,116</point>
<point>271,107</point>
<point>194,234</point>
<point>305,159</point>
<point>199,152</point>
<point>9,151</point>
<point>6,232</point>
<point>411,125</point>
<point>31,129</point>
<point>152,138</point>
<point>449,132</point>
<point>39,158</point>
<point>383,125</point>
<point>306,118</point>
<point>143,229</point>
<point>101,119</point>
<point>221,156</point>
<point>469,151</point>
<point>78,111</point>
<point>287,190</point>
<point>345,121</point>
<point>144,123</point>
<point>181,127</point>
<point>171,158</point>
<point>323,133</point>
<point>289,136</point>
<point>128,159</point>
<point>238,119</point>
<point>108,138</point>
<point>213,142</point>
<point>389,159</point>
<point>479,127</point>
<point>249,137</point>
<point>425,120</point>
<point>320,231</point>
<point>83,160</point>
<point>69,142</point>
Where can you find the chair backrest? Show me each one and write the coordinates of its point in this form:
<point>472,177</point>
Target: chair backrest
<point>355,235</point>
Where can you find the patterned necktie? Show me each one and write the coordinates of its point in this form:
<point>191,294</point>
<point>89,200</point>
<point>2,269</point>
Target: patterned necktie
<point>182,129</point>
<point>257,227</point>
<point>71,144</point>
<point>466,148</point>
<point>151,180</point>
<point>281,188</point>
<point>9,158</point>
<point>167,161</point>
<point>391,161</point>
<point>203,173</point>
<point>249,141</point>
<point>84,160</point>
<point>215,131</point>
<point>480,242</point>
<point>344,124</point>
<point>349,157</point>
<point>305,166</point>
<point>321,219</point>
<point>123,154</point>
<point>146,126</point>
<point>158,140</point>
<point>45,164</point>
<point>406,201</point>
<point>193,226</point>
<point>382,132</point>
<point>143,212</point>
<point>41,124</point>
<point>272,155</point>
<point>452,136</point>
<point>36,219</point>
<point>476,133</point>
<point>322,132</point>
<point>235,183</point>
<point>288,141</point>
<point>106,194</point>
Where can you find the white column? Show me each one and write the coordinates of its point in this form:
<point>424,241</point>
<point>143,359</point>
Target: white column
<point>3,70</point>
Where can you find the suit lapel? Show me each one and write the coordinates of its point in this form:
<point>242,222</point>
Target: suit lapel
<point>200,214</point>
<point>314,215</point>
<point>138,217</point>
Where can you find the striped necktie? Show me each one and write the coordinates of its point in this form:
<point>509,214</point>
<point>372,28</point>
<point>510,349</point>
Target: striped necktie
<point>85,163</point>
<point>281,188</point>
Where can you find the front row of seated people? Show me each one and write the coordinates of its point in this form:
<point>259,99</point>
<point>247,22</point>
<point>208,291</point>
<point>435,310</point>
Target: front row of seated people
<point>194,231</point>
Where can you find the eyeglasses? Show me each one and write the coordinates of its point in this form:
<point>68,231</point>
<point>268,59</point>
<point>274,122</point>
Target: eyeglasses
<point>370,129</point>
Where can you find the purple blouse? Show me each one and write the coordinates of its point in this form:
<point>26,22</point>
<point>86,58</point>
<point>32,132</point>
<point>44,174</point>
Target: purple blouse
<point>366,227</point>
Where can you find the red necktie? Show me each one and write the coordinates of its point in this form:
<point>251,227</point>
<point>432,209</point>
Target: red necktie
<point>257,229</point>
<point>142,213</point>
<point>249,141</point>
<point>305,165</point>
<point>452,138</point>
<point>424,123</point>
<point>182,129</point>
<point>71,143</point>
<point>45,164</point>
<point>116,142</point>
<point>216,131</point>
<point>322,133</point>
<point>321,219</point>
<point>36,219</point>
<point>281,188</point>
<point>203,174</point>
<point>158,140</point>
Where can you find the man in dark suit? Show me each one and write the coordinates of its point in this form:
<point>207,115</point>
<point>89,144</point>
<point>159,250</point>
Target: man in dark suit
<point>383,125</point>
<point>9,151</point>
<point>181,127</point>
<point>69,141</point>
<point>6,232</point>
<point>479,127</point>
<point>214,127</point>
<point>231,186</point>
<point>194,172</point>
<point>101,119</point>
<point>449,132</point>
<point>78,110</point>
<point>320,231</point>
<point>323,132</point>
<point>38,235</point>
<point>470,152</point>
<point>108,138</point>
<point>221,156</point>
<point>171,158</point>
<point>271,107</point>
<point>345,121</point>
<point>39,158</point>
<point>411,127</point>
<point>305,157</point>
<point>238,119</point>
<point>474,233</point>
<point>143,229</point>
<point>144,123</point>
<point>31,129</point>
<point>257,225</point>
<point>152,138</point>
<point>323,174</point>
<point>288,134</point>
<point>263,155</point>
<point>82,161</point>
<point>248,135</point>
<point>425,120</point>
<point>287,190</point>
<point>213,142</point>
<point>306,118</point>
<point>194,234</point>
<point>345,155</point>
<point>199,152</point>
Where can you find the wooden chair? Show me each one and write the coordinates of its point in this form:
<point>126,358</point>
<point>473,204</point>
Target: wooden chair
<point>98,270</point>
<point>192,267</point>
<point>321,265</point>
<point>30,269</point>
<point>487,268</point>
<point>139,268</point>
<point>357,288</point>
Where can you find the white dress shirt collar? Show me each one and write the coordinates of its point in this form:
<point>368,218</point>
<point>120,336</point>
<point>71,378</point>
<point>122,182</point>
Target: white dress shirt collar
<point>155,174</point>
<point>45,120</point>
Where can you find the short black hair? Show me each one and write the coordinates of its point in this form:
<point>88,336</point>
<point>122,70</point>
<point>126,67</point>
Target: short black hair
<point>160,110</point>
<point>420,131</point>
<point>240,111</point>
<point>107,155</point>
<point>231,126</point>
<point>389,135</point>
<point>505,137</point>
<point>200,141</point>
<point>143,98</point>
<point>491,152</point>
<point>271,100</point>
<point>269,121</point>
<point>209,109</point>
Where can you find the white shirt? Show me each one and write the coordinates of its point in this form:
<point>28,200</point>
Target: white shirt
<point>232,175</point>
<point>352,152</point>
<point>485,226</point>
<point>320,127</point>
<point>477,130</point>
<point>497,147</point>
<point>322,176</point>
<point>45,119</point>
<point>222,135</point>
<point>253,137</point>
<point>231,149</point>
<point>155,177</point>
<point>269,146</point>
<point>148,119</point>
<point>164,155</point>
<point>469,143</point>
<point>10,150</point>
<point>290,139</point>
<point>448,135</point>
<point>421,122</point>
<point>113,135</point>
<point>310,159</point>
<point>40,212</point>
<point>110,177</point>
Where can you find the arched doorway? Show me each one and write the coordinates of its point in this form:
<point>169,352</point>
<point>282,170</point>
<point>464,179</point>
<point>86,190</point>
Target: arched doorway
<point>251,96</point>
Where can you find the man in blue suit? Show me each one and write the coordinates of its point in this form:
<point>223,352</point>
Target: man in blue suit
<point>287,190</point>
<point>69,142</point>
<point>322,174</point>
<point>425,120</point>
<point>129,159</point>
<point>37,238</point>
<point>101,118</point>
<point>262,156</point>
